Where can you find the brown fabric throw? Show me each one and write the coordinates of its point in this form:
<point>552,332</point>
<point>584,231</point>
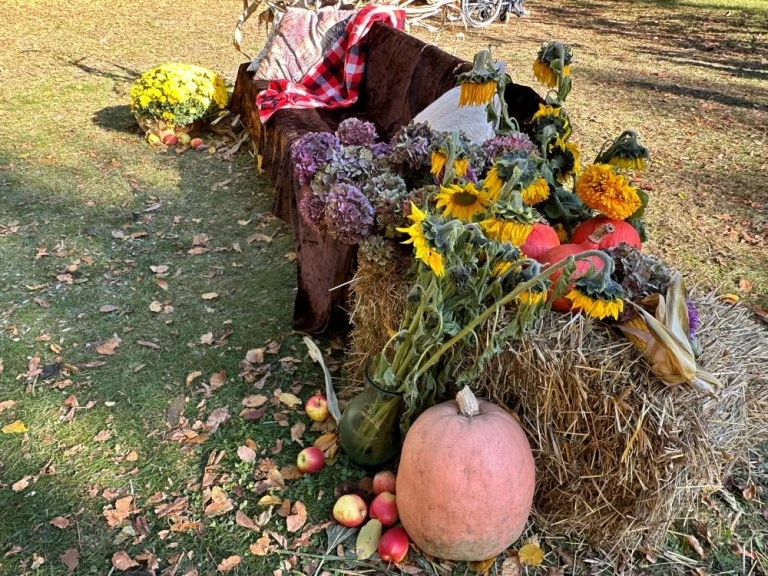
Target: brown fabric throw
<point>403,76</point>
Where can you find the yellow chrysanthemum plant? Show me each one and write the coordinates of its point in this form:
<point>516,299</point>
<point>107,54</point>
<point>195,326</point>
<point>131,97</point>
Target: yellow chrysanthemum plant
<point>169,99</point>
<point>484,85</point>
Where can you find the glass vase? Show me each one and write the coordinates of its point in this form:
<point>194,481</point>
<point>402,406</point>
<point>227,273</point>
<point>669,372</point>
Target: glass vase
<point>369,431</point>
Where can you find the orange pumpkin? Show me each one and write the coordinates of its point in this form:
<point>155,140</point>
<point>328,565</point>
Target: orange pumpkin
<point>466,479</point>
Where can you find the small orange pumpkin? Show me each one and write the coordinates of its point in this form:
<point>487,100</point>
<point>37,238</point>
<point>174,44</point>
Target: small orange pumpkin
<point>466,479</point>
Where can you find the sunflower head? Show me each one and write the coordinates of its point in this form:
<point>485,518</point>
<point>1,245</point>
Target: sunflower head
<point>510,221</point>
<point>536,192</point>
<point>420,234</point>
<point>462,201</point>
<point>480,84</point>
<point>598,295</point>
<point>600,188</point>
<point>564,161</point>
<point>551,125</point>
<point>438,161</point>
<point>552,62</point>
<point>624,152</point>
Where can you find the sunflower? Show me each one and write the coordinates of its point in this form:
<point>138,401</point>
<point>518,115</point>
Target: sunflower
<point>438,162</point>
<point>546,110</point>
<point>536,192</point>
<point>556,116</point>
<point>565,161</point>
<point>460,167</point>
<point>598,295</point>
<point>531,298</point>
<point>493,184</point>
<point>462,202</point>
<point>600,188</point>
<point>503,230</point>
<point>542,66</point>
<point>627,163</point>
<point>544,74</point>
<point>476,93</point>
<point>424,252</point>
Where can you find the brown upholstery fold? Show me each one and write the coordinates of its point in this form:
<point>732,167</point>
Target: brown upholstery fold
<point>403,75</point>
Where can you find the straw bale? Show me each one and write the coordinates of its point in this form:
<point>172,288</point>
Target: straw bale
<point>619,455</point>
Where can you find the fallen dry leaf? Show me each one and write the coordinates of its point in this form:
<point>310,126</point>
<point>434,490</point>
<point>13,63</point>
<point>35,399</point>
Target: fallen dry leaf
<point>60,522</point>
<point>297,431</point>
<point>21,484</point>
<point>206,338</point>
<point>107,308</point>
<point>42,303</point>
<point>15,427</point>
<point>290,256</point>
<point>155,306</point>
<point>246,454</point>
<point>218,380</point>
<point>298,518</point>
<point>197,251</point>
<point>162,284</point>
<point>531,554</point>
<point>148,344</point>
<point>694,543</point>
<point>119,514</point>
<point>254,401</point>
<point>290,400</point>
<point>242,519</point>
<point>192,376</point>
<point>511,567</point>
<point>37,561</point>
<point>108,348</point>
<point>482,566</point>
<point>161,269</point>
<point>122,561</point>
<point>209,296</point>
<point>70,559</point>
<point>261,547</point>
<point>255,356</point>
<point>745,285</point>
<point>13,551</point>
<point>6,405</point>
<point>103,436</point>
<point>228,563</point>
<point>218,417</point>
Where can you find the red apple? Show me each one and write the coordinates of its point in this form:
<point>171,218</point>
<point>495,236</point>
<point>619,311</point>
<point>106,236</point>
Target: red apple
<point>384,508</point>
<point>170,139</point>
<point>196,143</point>
<point>350,510</point>
<point>310,460</point>
<point>384,482</point>
<point>317,408</point>
<point>393,546</point>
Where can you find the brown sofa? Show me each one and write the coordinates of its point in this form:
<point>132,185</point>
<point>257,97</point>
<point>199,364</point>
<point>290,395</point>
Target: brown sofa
<point>403,75</point>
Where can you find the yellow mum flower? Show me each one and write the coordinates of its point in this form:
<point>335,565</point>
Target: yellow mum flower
<point>596,307</point>
<point>462,202</point>
<point>600,188</point>
<point>476,94</point>
<point>506,230</point>
<point>536,192</point>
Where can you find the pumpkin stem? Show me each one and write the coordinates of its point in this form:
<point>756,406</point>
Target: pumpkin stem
<point>601,231</point>
<point>468,405</point>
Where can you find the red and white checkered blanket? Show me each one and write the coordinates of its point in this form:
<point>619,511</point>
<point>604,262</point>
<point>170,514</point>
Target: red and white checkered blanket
<point>334,82</point>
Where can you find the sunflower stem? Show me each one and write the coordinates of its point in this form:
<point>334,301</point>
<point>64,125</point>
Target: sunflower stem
<point>522,287</point>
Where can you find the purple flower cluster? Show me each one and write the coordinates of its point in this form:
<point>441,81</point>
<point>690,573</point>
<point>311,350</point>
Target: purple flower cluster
<point>348,213</point>
<point>312,210</point>
<point>356,132</point>
<point>411,145</point>
<point>499,145</point>
<point>311,152</point>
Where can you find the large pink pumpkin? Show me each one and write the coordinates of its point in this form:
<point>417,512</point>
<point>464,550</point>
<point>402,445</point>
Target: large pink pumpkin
<point>465,482</point>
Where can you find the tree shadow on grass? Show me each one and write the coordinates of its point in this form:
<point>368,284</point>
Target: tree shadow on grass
<point>119,72</point>
<point>116,119</point>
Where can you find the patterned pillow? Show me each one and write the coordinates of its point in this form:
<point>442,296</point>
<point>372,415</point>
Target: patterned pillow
<point>299,41</point>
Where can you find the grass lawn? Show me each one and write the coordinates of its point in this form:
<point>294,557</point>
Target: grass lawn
<point>134,282</point>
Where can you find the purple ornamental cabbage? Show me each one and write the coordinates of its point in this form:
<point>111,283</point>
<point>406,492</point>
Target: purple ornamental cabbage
<point>348,213</point>
<point>499,145</point>
<point>311,152</point>
<point>356,132</point>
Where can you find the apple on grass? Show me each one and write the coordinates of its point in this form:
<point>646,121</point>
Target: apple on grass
<point>170,139</point>
<point>393,545</point>
<point>350,510</point>
<point>196,143</point>
<point>384,482</point>
<point>310,460</point>
<point>317,408</point>
<point>384,509</point>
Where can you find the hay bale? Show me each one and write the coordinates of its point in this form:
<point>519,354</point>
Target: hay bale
<point>619,455</point>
